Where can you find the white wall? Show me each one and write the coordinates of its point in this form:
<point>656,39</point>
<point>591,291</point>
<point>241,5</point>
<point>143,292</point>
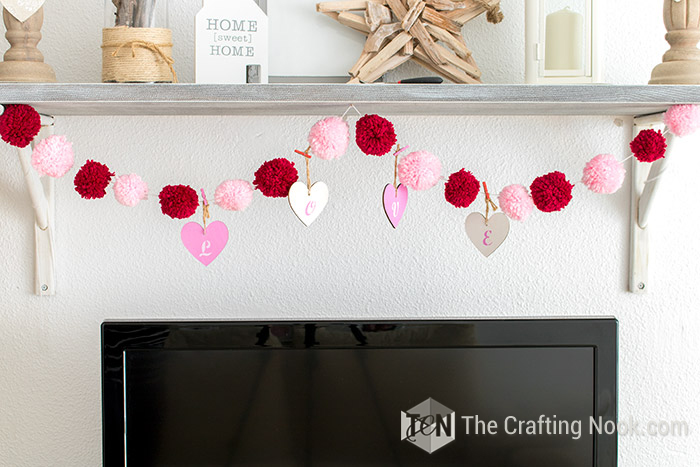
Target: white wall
<point>115,262</point>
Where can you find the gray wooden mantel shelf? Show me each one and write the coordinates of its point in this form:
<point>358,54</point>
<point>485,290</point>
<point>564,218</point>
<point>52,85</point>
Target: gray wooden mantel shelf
<point>645,103</point>
<point>333,99</point>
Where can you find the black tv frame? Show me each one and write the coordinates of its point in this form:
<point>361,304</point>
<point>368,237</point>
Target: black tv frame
<point>599,333</point>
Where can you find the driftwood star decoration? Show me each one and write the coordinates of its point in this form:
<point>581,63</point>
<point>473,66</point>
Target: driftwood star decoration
<point>426,31</point>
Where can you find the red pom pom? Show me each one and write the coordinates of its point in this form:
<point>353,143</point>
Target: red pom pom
<point>92,180</point>
<point>19,124</point>
<point>375,135</point>
<point>178,201</point>
<point>461,189</point>
<point>274,178</point>
<point>551,192</point>
<point>649,146</point>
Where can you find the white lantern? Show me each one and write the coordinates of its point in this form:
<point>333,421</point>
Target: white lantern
<point>562,42</point>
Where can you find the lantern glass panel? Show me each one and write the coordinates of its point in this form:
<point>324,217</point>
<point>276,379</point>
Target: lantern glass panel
<point>565,26</point>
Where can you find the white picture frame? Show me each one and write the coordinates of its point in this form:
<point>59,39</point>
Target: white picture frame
<point>307,46</point>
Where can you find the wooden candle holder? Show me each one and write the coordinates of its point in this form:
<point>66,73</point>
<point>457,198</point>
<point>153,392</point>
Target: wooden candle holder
<point>23,61</point>
<point>681,64</point>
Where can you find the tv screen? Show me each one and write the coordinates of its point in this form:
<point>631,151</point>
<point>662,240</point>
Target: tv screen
<point>482,393</point>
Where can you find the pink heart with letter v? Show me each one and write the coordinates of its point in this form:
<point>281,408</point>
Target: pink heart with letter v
<point>395,203</point>
<point>205,247</point>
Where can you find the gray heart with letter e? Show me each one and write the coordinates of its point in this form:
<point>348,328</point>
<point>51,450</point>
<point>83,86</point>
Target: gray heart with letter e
<point>487,237</point>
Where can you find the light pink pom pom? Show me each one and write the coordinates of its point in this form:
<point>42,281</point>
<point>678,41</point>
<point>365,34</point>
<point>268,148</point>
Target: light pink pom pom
<point>515,201</point>
<point>53,156</point>
<point>420,170</point>
<point>604,174</point>
<point>234,195</point>
<point>130,189</point>
<point>683,120</point>
<point>329,138</point>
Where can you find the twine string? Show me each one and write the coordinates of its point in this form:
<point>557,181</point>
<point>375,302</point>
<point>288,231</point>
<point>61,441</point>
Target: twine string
<point>494,14</point>
<point>396,168</point>
<point>350,107</point>
<point>308,175</point>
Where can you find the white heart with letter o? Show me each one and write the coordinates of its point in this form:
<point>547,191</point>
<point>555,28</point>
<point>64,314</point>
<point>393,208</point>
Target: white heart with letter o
<point>308,204</point>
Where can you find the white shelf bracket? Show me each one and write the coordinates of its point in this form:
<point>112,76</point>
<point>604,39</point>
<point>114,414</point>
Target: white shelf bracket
<point>41,193</point>
<point>645,179</point>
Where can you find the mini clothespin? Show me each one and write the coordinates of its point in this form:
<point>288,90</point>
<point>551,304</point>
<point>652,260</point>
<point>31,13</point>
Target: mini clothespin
<point>489,203</point>
<point>205,210</point>
<point>308,168</point>
<point>397,153</point>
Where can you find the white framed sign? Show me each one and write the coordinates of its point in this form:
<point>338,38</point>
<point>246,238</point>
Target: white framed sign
<point>231,43</point>
<point>306,44</point>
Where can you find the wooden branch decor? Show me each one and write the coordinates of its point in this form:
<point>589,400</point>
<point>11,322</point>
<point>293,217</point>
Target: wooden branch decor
<point>426,31</point>
<point>135,13</point>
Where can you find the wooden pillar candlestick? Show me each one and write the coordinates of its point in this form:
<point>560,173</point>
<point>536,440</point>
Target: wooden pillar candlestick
<point>23,61</point>
<point>681,64</point>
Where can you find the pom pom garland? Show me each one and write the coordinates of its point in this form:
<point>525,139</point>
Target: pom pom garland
<point>178,201</point>
<point>461,189</point>
<point>375,135</point>
<point>649,146</point>
<point>274,178</point>
<point>329,138</point>
<point>683,120</point>
<point>551,192</point>
<point>53,156</point>
<point>130,189</point>
<point>234,195</point>
<point>92,180</point>
<point>420,170</point>
<point>19,124</point>
<point>516,202</point>
<point>604,174</point>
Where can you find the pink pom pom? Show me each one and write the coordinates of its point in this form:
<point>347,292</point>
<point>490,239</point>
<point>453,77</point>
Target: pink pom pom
<point>130,189</point>
<point>53,156</point>
<point>420,170</point>
<point>683,120</point>
<point>329,138</point>
<point>604,174</point>
<point>515,201</point>
<point>234,195</point>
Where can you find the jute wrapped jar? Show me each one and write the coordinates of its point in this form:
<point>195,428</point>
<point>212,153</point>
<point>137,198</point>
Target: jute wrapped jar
<point>137,45</point>
<point>137,55</point>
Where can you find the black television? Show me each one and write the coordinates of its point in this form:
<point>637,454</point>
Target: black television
<point>482,393</point>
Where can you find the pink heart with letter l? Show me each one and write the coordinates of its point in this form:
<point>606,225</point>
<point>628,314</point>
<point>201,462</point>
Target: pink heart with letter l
<point>205,247</point>
<point>395,203</point>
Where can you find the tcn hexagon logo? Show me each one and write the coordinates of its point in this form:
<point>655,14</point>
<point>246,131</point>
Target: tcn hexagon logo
<point>429,425</point>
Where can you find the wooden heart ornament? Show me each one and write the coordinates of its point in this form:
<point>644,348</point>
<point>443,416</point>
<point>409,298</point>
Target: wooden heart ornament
<point>395,200</point>
<point>487,237</point>
<point>22,9</point>
<point>308,204</point>
<point>205,247</point>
